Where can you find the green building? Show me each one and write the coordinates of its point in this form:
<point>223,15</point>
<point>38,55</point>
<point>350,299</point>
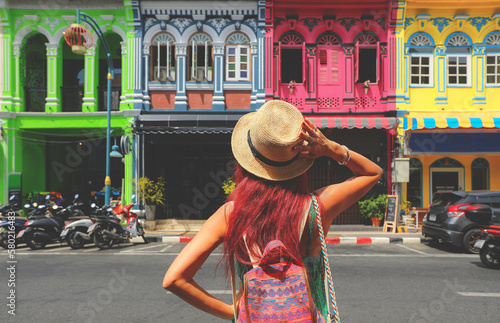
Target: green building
<point>53,102</point>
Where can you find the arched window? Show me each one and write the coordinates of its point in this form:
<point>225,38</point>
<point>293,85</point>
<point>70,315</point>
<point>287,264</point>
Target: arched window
<point>200,61</point>
<point>458,49</point>
<point>367,47</point>
<point>421,49</point>
<point>237,58</point>
<point>493,58</point>
<point>480,173</point>
<point>162,58</point>
<point>414,187</point>
<point>34,76</point>
<point>447,174</point>
<point>292,51</point>
<point>328,47</point>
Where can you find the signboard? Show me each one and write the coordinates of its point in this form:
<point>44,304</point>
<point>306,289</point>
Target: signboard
<point>391,213</point>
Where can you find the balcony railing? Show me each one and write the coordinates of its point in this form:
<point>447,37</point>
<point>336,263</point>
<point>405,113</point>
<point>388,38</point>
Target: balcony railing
<point>115,98</point>
<point>72,98</point>
<point>34,98</point>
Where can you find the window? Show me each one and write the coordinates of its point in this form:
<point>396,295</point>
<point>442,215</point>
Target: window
<point>328,59</point>
<point>493,60</point>
<point>458,64</point>
<point>291,59</point>
<point>367,53</point>
<point>480,174</point>
<point>200,58</point>
<point>237,58</point>
<point>162,58</point>
<point>414,187</point>
<point>421,60</point>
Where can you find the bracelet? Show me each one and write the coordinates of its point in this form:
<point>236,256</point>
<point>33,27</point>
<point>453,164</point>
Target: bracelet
<point>347,156</point>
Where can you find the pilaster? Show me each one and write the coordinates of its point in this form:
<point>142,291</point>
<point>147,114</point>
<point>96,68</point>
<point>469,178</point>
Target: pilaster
<point>5,85</point>
<point>145,91</point>
<point>18,91</point>
<point>218,98</point>
<point>180,94</point>
<point>478,78</point>
<point>89,92</point>
<point>54,79</point>
<point>440,72</point>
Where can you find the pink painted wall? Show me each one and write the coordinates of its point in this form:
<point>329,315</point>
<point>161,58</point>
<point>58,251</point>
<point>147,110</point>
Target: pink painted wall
<point>329,70</point>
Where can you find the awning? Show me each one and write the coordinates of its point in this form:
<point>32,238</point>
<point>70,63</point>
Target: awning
<point>453,123</point>
<point>354,122</point>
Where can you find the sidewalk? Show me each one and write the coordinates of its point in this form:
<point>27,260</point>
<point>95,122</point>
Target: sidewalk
<point>338,234</point>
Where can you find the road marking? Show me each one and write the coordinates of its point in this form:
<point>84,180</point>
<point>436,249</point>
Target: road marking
<point>406,247</point>
<point>166,248</point>
<point>138,249</point>
<point>476,294</point>
<point>90,250</point>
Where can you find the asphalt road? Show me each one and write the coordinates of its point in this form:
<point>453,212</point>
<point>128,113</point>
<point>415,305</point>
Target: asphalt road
<point>374,283</point>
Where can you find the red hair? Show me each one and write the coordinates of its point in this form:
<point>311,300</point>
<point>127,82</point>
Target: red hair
<point>264,211</point>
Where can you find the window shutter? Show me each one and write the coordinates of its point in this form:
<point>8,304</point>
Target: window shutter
<point>158,63</point>
<point>323,66</point>
<point>206,62</point>
<point>334,66</point>
<point>193,61</point>
<point>168,60</point>
<point>356,62</point>
<point>279,63</point>
<point>304,59</point>
<point>378,67</point>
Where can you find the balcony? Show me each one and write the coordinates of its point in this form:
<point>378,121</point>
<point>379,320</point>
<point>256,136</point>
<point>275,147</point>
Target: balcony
<point>115,98</point>
<point>72,98</point>
<point>34,98</point>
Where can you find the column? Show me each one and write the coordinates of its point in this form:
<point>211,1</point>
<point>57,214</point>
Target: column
<point>54,79</point>
<point>180,94</point>
<point>145,90</point>
<point>348,99</point>
<point>5,88</point>
<point>255,76</point>
<point>218,98</point>
<point>479,77</point>
<point>17,94</point>
<point>125,75</point>
<point>90,96</point>
<point>440,73</point>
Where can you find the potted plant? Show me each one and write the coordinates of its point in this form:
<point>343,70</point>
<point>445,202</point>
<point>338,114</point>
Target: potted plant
<point>373,208</point>
<point>291,86</point>
<point>151,193</point>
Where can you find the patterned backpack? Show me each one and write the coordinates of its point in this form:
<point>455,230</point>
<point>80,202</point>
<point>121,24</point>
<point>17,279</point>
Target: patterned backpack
<point>277,290</point>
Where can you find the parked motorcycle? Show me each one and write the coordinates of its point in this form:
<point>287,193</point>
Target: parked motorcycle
<point>107,231</point>
<point>10,224</point>
<point>76,233</point>
<point>489,245</point>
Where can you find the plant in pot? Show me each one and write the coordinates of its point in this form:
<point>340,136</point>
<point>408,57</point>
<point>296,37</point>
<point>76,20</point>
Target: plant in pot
<point>151,193</point>
<point>373,208</point>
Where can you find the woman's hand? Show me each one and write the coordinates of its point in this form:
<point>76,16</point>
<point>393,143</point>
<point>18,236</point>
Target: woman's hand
<point>317,144</point>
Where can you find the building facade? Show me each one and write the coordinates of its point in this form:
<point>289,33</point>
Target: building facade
<point>449,117</point>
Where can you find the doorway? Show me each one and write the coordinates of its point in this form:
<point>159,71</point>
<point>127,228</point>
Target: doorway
<point>446,179</point>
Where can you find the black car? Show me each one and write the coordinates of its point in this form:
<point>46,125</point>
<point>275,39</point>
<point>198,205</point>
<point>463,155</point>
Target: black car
<point>448,217</point>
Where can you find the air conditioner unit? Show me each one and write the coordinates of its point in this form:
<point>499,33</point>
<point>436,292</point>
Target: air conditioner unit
<point>163,74</point>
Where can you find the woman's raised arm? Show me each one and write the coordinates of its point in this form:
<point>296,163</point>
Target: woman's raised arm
<point>179,277</point>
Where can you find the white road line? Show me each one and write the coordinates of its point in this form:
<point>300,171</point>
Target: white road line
<point>406,247</point>
<point>166,248</point>
<point>138,249</point>
<point>476,294</point>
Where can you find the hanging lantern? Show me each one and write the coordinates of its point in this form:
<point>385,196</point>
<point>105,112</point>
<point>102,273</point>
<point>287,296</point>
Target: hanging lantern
<point>79,38</point>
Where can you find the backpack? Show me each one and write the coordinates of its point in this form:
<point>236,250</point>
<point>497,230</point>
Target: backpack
<point>277,290</point>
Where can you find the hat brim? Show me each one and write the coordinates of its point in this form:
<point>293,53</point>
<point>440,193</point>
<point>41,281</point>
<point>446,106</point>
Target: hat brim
<point>244,156</point>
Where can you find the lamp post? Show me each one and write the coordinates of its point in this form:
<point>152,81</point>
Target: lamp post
<point>79,38</point>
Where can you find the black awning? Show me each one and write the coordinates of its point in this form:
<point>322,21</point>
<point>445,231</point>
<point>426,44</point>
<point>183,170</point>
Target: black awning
<point>186,124</point>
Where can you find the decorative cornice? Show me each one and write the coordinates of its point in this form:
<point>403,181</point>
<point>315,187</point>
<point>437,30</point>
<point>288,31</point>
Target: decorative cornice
<point>348,22</point>
<point>478,22</point>
<point>310,23</point>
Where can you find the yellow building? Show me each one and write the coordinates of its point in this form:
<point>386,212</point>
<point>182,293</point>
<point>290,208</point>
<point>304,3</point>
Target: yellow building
<point>449,96</point>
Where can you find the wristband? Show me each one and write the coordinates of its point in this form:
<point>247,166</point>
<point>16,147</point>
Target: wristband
<point>347,156</point>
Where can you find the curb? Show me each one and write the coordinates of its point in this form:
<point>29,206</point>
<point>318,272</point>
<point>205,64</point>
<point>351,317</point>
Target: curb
<point>337,240</point>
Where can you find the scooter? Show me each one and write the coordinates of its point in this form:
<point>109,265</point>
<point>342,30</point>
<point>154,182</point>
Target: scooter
<point>489,245</point>
<point>107,231</point>
<point>76,233</point>
<point>10,225</point>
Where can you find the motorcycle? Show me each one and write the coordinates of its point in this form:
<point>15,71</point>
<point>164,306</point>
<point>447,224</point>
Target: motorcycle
<point>11,224</point>
<point>489,245</point>
<point>76,233</point>
<point>78,222</point>
<point>107,231</point>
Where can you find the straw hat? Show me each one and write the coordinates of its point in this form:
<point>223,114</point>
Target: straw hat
<point>262,142</point>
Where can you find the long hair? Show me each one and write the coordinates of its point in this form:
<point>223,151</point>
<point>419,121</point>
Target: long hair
<point>264,211</point>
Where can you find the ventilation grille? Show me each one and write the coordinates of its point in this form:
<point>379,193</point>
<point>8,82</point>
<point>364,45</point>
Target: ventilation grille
<point>297,102</point>
<point>363,103</point>
<point>328,103</point>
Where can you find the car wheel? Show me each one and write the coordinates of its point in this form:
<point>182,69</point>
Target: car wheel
<point>470,238</point>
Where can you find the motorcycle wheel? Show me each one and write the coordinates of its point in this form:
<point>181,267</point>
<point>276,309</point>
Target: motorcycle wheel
<point>140,231</point>
<point>470,238</point>
<point>488,259</point>
<point>29,237</point>
<point>4,240</point>
<point>102,240</point>
<point>75,241</point>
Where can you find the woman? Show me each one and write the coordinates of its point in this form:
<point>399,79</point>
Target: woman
<point>274,147</point>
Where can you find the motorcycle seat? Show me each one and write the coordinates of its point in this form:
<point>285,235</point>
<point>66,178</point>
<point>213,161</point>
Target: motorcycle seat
<point>76,218</point>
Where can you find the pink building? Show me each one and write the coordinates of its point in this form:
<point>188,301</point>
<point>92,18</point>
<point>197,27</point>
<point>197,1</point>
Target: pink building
<point>336,61</point>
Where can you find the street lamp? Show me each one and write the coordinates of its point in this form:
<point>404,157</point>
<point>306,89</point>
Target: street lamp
<point>79,38</point>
